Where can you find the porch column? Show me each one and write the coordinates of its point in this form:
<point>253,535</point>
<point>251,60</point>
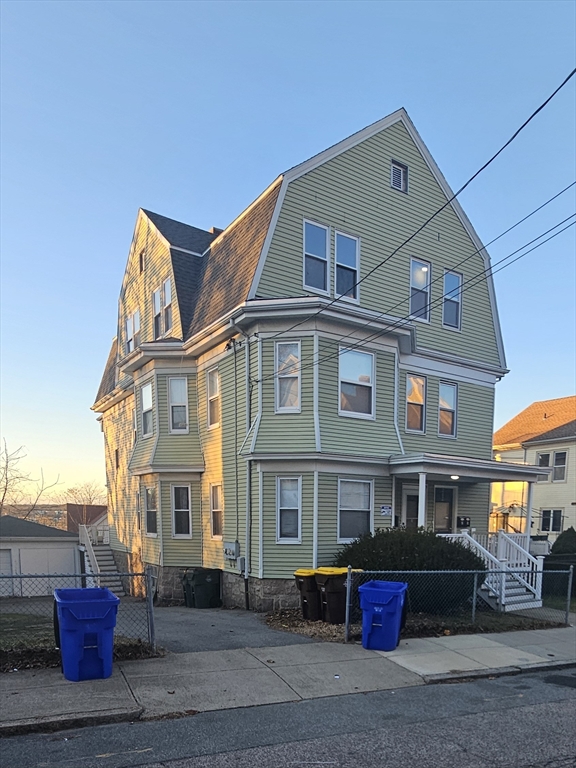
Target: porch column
<point>529,501</point>
<point>421,499</point>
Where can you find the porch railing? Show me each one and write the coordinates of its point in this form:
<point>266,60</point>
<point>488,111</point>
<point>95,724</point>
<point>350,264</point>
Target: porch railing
<point>496,571</point>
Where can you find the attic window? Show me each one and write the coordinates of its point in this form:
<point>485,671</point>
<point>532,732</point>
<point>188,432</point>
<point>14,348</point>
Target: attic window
<point>141,262</point>
<point>399,176</point>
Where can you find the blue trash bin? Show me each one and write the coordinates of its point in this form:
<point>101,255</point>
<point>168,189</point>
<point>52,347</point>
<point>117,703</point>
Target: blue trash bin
<point>87,618</point>
<point>382,603</point>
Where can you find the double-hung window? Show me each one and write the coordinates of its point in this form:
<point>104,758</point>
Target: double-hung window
<point>181,522</point>
<point>288,377</point>
<point>178,397</point>
<point>559,471</point>
<point>354,509</point>
<point>543,461</point>
<point>447,408</point>
<point>147,418</point>
<point>167,301</point>
<point>216,511</point>
<point>157,313</point>
<point>315,257</point>
<point>151,511</point>
<point>346,266</point>
<point>399,176</point>
<point>288,510</point>
<point>132,332</point>
<point>213,386</point>
<point>356,383</point>
<point>451,312</point>
<point>420,289</point>
<point>551,520</point>
<point>415,403</point>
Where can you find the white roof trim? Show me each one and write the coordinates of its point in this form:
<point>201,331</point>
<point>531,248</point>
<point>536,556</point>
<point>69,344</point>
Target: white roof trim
<point>268,239</point>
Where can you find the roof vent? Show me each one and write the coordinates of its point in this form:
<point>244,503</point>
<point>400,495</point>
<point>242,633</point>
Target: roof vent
<point>215,231</point>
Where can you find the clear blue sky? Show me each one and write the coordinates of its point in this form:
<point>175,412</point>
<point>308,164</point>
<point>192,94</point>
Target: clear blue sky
<point>191,109</point>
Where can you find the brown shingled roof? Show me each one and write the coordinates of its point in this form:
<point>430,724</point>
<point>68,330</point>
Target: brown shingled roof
<point>536,420</point>
<point>108,381</point>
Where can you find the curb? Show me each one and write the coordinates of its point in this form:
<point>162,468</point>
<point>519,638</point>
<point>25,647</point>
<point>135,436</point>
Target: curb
<point>66,722</point>
<point>479,674</point>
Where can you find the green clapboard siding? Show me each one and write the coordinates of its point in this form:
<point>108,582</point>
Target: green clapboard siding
<point>474,502</point>
<point>285,432</point>
<point>281,560</point>
<point>176,551</point>
<point>352,192</point>
<point>347,435</point>
<point>177,449</point>
<point>151,545</point>
<point>474,421</point>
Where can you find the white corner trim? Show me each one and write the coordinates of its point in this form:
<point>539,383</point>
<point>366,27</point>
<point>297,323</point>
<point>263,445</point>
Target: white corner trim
<point>315,523</point>
<point>268,239</point>
<point>316,396</point>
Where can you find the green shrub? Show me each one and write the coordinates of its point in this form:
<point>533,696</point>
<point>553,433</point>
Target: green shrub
<point>398,550</point>
<point>565,544</point>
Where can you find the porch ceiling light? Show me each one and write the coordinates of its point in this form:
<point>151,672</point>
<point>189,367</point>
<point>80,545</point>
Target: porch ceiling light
<point>454,477</point>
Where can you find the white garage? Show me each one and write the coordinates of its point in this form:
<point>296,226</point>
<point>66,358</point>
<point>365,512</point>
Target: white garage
<point>30,548</point>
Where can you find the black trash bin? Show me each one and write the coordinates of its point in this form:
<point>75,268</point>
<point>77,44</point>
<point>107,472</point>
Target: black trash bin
<point>202,588</point>
<point>332,588</point>
<point>309,594</point>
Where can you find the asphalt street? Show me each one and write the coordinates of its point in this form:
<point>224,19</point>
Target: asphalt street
<point>521,721</point>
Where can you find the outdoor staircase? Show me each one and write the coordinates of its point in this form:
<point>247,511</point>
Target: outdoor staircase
<point>513,579</point>
<point>107,571</point>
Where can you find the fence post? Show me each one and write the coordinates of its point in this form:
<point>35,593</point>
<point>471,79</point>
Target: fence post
<point>503,573</point>
<point>569,595</point>
<point>348,601</point>
<point>474,597</point>
<point>149,584</point>
<point>539,572</point>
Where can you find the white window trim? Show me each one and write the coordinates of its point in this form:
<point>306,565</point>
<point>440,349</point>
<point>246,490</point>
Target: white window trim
<point>458,328</point>
<point>170,404</point>
<point>155,315</point>
<point>548,477</point>
<point>277,408</point>
<point>165,306</point>
<point>132,334</point>
<point>411,316</point>
<point>299,539</point>
<point>354,414</point>
<point>565,465</point>
<point>328,267</point>
<point>424,405</point>
<point>404,169</point>
<point>175,535</point>
<point>151,409</point>
<point>441,434</point>
<point>336,294</point>
<point>551,510</point>
<point>208,398</point>
<point>216,537</point>
<point>146,533</point>
<point>339,539</point>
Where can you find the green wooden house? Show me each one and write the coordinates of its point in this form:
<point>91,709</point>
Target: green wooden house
<point>277,388</point>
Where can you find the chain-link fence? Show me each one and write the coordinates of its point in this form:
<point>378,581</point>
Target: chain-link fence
<point>27,610</point>
<point>452,602</point>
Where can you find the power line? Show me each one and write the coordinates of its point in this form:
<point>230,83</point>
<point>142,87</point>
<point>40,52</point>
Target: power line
<point>479,277</point>
<point>433,216</point>
<point>459,264</point>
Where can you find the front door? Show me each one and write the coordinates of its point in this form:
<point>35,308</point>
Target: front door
<point>410,507</point>
<point>444,510</point>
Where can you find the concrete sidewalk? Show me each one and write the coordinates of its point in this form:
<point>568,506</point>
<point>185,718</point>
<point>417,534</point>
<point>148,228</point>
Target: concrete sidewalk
<point>183,684</point>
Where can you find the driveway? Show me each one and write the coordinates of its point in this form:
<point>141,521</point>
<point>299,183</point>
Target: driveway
<point>186,630</point>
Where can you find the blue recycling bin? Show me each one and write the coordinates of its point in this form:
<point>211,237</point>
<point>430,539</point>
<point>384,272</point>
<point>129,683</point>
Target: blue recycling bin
<point>382,604</point>
<point>87,618</point>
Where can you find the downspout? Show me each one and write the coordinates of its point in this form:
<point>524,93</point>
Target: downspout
<point>396,364</point>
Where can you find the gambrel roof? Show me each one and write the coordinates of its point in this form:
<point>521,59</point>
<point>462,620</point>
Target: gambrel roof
<point>539,419</point>
<point>181,235</point>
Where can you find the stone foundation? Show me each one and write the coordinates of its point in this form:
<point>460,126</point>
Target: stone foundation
<point>263,594</point>
<point>169,588</point>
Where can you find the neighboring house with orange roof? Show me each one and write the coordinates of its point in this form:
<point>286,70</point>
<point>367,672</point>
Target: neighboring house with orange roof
<point>543,434</point>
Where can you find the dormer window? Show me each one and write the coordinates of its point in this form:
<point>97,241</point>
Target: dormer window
<point>132,332</point>
<point>157,313</point>
<point>167,297</point>
<point>399,176</point>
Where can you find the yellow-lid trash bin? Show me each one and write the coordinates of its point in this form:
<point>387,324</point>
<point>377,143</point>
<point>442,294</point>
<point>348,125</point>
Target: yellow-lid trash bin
<point>309,595</point>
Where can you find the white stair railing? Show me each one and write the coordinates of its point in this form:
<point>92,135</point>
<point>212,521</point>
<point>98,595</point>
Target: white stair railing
<point>519,559</point>
<point>496,570</point>
<point>90,560</point>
